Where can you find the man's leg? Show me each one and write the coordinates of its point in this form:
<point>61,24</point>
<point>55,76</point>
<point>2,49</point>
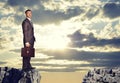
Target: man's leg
<point>30,66</point>
<point>26,62</point>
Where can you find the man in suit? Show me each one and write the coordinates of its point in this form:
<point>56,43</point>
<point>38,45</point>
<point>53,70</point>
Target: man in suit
<point>28,37</point>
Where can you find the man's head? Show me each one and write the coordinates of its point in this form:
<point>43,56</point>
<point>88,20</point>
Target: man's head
<point>28,13</point>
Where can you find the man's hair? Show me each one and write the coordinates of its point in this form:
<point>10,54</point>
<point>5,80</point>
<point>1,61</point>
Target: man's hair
<point>27,10</point>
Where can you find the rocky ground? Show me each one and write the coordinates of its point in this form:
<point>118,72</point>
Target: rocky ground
<point>13,75</point>
<point>103,76</point>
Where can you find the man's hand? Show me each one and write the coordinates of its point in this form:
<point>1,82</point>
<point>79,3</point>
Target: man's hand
<point>27,44</point>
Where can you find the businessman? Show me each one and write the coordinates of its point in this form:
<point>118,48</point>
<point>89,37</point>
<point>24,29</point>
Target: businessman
<point>28,37</point>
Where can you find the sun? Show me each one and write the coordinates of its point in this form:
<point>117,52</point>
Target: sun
<point>56,43</point>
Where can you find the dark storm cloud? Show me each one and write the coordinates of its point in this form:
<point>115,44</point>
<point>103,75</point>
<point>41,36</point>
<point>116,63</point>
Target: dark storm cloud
<point>95,59</point>
<point>103,63</point>
<point>22,2</point>
<point>109,0</point>
<point>41,15</point>
<point>78,40</point>
<point>111,10</point>
<point>70,54</point>
<point>50,16</point>
<point>2,0</point>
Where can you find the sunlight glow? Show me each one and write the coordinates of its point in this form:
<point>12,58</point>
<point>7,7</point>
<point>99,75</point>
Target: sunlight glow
<point>54,38</point>
<point>66,62</point>
<point>56,43</point>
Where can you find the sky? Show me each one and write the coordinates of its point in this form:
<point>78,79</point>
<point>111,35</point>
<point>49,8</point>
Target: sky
<point>71,35</point>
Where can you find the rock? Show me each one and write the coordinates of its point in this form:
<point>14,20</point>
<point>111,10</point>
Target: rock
<point>12,75</point>
<point>103,76</point>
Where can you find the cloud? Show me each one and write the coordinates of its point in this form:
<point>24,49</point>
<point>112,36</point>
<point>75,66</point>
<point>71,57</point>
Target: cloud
<point>9,37</point>
<point>80,40</point>
<point>72,12</point>
<point>41,15</point>
<point>49,16</point>
<point>71,54</point>
<point>22,3</point>
<point>113,0</point>
<point>2,40</point>
<point>16,50</point>
<point>2,63</point>
<point>111,10</point>
<point>92,12</point>
<point>110,1</point>
<point>71,60</point>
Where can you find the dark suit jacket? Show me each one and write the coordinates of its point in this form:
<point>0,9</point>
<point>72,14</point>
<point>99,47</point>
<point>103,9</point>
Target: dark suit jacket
<point>28,32</point>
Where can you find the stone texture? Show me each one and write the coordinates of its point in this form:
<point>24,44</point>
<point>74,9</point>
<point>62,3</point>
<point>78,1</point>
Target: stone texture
<point>103,76</point>
<point>12,75</point>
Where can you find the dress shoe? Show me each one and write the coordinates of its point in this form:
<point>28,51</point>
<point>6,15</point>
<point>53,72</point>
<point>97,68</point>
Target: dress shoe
<point>31,67</point>
<point>25,69</point>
